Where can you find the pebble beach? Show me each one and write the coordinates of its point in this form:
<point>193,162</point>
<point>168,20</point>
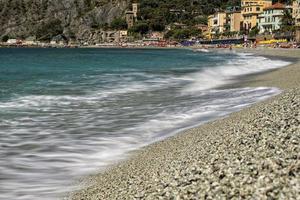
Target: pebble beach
<point>251,154</point>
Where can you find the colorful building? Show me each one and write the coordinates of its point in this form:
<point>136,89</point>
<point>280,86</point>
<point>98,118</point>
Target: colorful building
<point>216,23</point>
<point>234,20</point>
<point>271,19</point>
<point>250,11</point>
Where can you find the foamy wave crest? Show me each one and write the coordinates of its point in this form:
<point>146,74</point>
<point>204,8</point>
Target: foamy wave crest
<point>212,77</point>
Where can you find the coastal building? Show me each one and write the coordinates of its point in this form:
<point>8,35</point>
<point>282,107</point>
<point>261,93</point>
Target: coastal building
<point>115,36</point>
<point>12,41</point>
<point>111,36</point>
<point>156,35</point>
<point>176,11</point>
<point>135,9</point>
<point>296,12</point>
<point>179,25</point>
<point>216,23</point>
<point>202,27</point>
<point>59,40</point>
<point>130,18</point>
<point>131,15</point>
<point>123,36</point>
<point>250,11</point>
<point>30,41</point>
<point>271,18</point>
<point>234,21</point>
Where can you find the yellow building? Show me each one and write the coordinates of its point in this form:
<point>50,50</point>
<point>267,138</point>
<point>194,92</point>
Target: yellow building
<point>216,23</point>
<point>250,11</point>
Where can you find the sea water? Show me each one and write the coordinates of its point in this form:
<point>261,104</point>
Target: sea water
<point>67,113</point>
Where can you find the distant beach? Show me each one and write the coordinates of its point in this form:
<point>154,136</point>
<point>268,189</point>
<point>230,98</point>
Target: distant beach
<point>251,154</point>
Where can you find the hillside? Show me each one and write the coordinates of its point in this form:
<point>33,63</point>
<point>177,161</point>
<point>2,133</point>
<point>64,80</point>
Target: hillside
<point>78,19</point>
<point>85,20</point>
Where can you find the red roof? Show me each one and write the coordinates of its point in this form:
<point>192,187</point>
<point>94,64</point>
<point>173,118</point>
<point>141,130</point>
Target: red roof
<point>276,6</point>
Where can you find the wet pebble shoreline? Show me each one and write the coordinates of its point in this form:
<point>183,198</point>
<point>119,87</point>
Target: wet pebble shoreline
<point>252,154</point>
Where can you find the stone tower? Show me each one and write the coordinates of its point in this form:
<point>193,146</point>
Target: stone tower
<point>135,8</point>
<point>130,19</point>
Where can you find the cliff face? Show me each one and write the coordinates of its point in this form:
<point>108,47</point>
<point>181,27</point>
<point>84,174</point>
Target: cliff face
<point>74,19</point>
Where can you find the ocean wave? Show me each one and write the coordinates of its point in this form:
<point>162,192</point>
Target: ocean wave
<point>49,139</point>
<point>226,73</point>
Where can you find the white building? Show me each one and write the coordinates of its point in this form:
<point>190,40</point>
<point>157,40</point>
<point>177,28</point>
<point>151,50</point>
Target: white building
<point>12,41</point>
<point>271,18</point>
<point>216,23</point>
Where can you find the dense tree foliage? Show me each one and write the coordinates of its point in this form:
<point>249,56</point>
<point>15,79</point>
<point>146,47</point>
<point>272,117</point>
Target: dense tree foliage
<point>49,29</point>
<point>287,21</point>
<point>181,34</point>
<point>159,13</point>
<point>118,24</point>
<point>141,28</point>
<point>168,11</point>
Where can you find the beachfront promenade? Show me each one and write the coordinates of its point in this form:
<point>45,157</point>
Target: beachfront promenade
<point>251,154</point>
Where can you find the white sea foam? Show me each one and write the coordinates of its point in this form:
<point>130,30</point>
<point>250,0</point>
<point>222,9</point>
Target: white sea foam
<point>202,50</point>
<point>52,139</point>
<point>212,77</point>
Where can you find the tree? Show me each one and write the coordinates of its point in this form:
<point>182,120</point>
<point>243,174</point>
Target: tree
<point>194,32</point>
<point>181,34</point>
<point>287,21</point>
<point>118,24</point>
<point>141,28</point>
<point>5,38</point>
<point>254,31</point>
<point>49,29</point>
<point>157,25</point>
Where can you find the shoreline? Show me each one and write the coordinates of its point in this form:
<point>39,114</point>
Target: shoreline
<point>219,159</point>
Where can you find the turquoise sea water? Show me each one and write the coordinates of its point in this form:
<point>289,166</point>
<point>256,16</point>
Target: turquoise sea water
<point>65,113</point>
